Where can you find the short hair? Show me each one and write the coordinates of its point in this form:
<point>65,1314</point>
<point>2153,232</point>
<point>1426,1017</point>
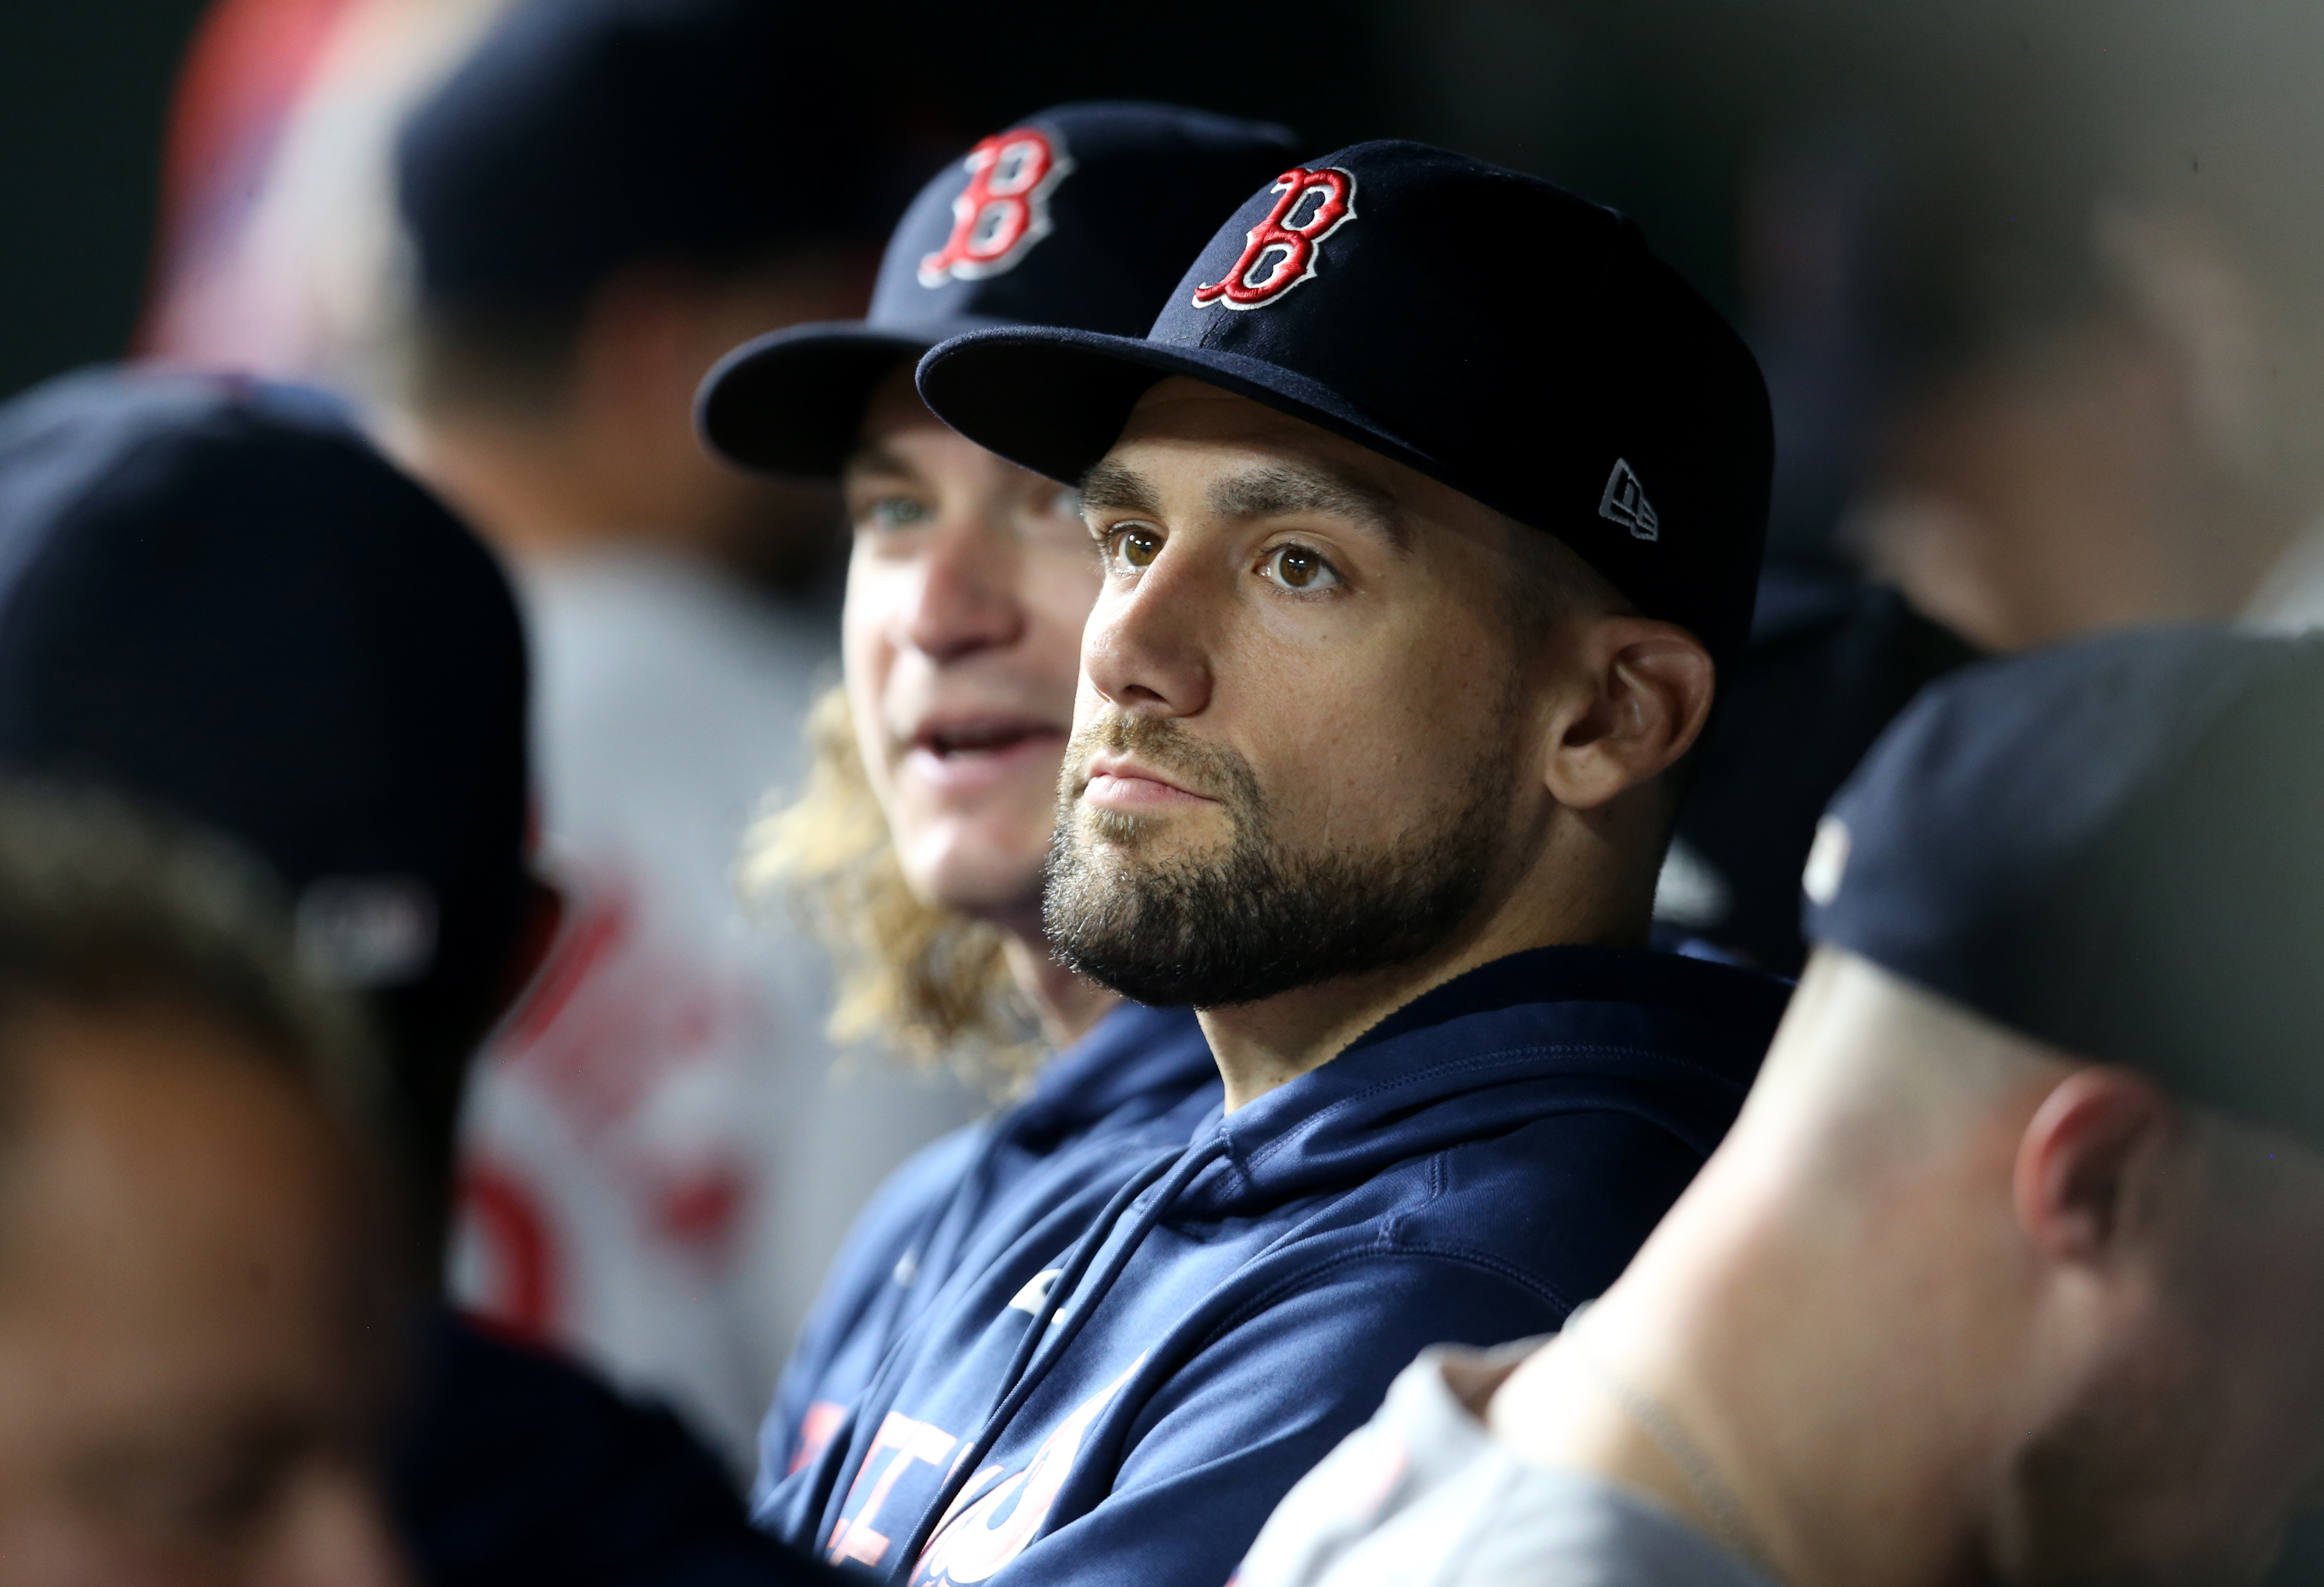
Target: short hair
<point>1552,583</point>
<point>519,361</point>
<point>106,909</point>
<point>912,976</point>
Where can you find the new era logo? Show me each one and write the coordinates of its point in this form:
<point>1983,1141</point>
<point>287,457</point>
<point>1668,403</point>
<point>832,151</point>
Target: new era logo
<point>1625,502</point>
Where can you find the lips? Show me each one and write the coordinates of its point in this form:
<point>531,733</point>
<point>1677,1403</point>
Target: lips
<point>970,738</point>
<point>1123,782</point>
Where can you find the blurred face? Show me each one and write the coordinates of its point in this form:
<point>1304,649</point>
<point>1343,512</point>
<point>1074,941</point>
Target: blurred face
<point>188,1339</point>
<point>1298,743</point>
<point>966,593</point>
<point>2201,1427</point>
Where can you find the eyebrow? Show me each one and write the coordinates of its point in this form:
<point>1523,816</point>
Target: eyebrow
<point>877,460</point>
<point>1111,486</point>
<point>1269,491</point>
<point>1282,491</point>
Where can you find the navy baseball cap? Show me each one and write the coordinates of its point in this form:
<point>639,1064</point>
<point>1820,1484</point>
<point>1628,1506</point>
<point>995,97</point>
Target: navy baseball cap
<point>1490,330</point>
<point>1082,216</point>
<point>583,136</point>
<point>2115,846</point>
<point>217,598</point>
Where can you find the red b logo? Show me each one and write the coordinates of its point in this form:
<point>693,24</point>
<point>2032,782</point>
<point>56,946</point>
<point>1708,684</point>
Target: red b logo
<point>1003,211</point>
<point>1279,252</point>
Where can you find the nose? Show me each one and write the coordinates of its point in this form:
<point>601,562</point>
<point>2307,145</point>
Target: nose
<point>966,598</point>
<point>335,1534</point>
<point>1147,649</point>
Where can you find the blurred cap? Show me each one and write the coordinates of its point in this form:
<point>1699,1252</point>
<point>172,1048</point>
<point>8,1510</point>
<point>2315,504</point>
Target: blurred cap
<point>218,598</point>
<point>584,136</point>
<point>2114,847</point>
<point>1490,330</point>
<point>1083,215</point>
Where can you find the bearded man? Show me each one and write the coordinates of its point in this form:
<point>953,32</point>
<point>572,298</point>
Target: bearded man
<point>1414,582</point>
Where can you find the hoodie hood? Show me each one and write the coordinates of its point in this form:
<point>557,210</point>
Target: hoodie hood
<point>1134,1061</point>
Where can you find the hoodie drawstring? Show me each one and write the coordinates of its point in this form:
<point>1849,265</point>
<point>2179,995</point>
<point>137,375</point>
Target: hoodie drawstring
<point>1175,1172</point>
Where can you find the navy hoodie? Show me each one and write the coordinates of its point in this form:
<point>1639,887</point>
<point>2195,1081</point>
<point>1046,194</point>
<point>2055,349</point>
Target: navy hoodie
<point>1117,1386</point>
<point>1133,1067</point>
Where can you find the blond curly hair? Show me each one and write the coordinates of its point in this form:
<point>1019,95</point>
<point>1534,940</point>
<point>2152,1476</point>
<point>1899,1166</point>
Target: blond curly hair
<point>912,976</point>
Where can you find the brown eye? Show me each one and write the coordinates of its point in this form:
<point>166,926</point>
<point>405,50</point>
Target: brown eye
<point>1137,547</point>
<point>1295,568</point>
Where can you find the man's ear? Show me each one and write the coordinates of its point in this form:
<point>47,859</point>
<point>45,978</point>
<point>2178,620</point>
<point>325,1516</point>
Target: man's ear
<point>2082,1159</point>
<point>1644,691</point>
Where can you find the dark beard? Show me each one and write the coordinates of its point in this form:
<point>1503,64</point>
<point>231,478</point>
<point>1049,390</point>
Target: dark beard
<point>1262,919</point>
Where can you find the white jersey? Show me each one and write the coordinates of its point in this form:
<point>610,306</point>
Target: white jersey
<point>659,1155</point>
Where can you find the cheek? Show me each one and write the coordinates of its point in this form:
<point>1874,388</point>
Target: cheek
<point>1058,594</point>
<point>1369,730</point>
<point>868,661</point>
<point>1088,705</point>
<point>875,588</point>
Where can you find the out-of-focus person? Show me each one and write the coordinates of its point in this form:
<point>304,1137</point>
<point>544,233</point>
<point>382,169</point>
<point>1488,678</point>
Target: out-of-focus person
<point>2082,271</point>
<point>218,599</point>
<point>607,196</point>
<point>918,841</point>
<point>196,1299</point>
<point>2013,1269</point>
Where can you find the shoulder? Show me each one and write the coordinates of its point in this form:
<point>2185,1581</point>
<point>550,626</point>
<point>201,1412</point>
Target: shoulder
<point>1569,1196</point>
<point>899,1213</point>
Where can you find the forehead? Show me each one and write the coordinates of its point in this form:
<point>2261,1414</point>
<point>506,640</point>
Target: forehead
<point>1187,415</point>
<point>894,408</point>
<point>172,1146</point>
<point>1244,460</point>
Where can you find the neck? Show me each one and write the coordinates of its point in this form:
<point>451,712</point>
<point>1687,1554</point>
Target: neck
<point>1580,889</point>
<point>546,488</point>
<point>1745,1374</point>
<point>1066,1005</point>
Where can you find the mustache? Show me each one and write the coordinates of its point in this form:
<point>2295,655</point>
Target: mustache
<point>1211,769</point>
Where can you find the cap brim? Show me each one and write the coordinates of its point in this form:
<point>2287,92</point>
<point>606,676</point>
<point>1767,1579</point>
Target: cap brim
<point>792,401</point>
<point>1055,400</point>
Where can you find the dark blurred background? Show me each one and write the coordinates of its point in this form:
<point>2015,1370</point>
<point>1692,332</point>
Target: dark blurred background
<point>84,93</point>
<point>1756,143</point>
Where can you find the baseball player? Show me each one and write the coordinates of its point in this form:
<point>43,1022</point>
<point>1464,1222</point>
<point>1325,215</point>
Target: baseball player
<point>601,201</point>
<point>923,830</point>
<point>2014,1268</point>
<point>1425,508</point>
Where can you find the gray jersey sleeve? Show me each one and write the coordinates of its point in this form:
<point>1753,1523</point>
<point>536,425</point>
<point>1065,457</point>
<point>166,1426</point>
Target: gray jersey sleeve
<point>1422,1496</point>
